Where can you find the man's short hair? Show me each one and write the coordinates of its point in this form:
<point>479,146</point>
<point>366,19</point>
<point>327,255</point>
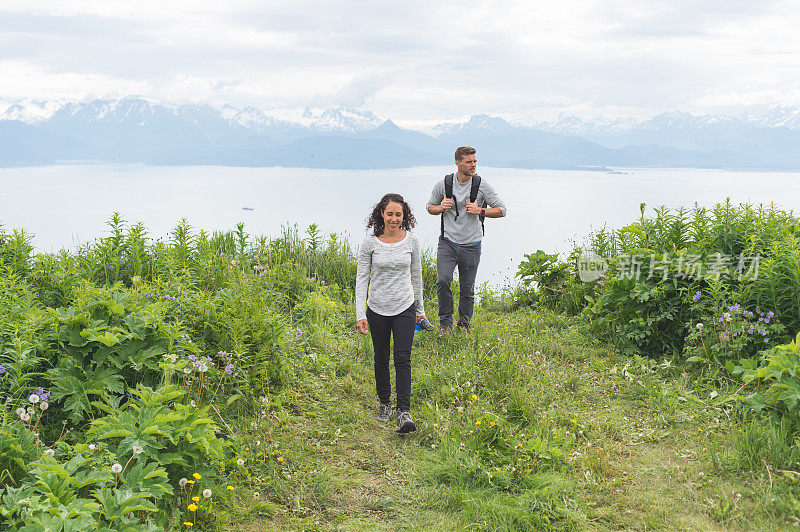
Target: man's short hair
<point>463,151</point>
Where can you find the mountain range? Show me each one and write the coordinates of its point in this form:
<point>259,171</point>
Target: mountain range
<point>134,129</point>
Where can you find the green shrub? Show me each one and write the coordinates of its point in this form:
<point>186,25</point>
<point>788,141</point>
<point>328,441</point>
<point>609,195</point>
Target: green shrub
<point>105,345</point>
<point>747,256</point>
<point>777,374</point>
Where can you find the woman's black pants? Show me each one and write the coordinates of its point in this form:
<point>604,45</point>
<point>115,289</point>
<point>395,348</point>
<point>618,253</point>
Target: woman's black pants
<point>401,327</point>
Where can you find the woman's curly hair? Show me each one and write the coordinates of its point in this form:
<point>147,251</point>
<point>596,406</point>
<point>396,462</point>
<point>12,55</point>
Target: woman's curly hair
<point>375,219</point>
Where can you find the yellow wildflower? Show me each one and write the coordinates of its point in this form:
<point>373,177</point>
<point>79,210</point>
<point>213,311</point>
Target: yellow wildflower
<point>492,423</point>
<point>188,523</point>
<point>280,459</point>
<point>230,488</point>
<point>192,507</point>
<point>474,396</point>
<point>190,481</point>
<point>197,476</point>
<point>195,498</point>
<point>478,422</point>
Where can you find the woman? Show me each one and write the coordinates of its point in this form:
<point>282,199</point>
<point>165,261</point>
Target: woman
<point>389,263</point>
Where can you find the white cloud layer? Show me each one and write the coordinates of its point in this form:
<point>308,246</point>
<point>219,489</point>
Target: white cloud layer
<point>414,62</point>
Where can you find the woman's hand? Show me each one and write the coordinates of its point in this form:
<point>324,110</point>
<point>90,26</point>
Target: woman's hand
<point>420,318</point>
<point>362,327</point>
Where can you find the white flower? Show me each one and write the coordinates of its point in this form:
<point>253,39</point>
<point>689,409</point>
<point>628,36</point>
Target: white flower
<point>187,369</point>
<point>44,406</point>
<point>206,493</point>
<point>182,482</point>
<point>203,367</point>
<point>538,353</point>
<point>460,408</point>
<point>116,468</point>
<point>25,417</point>
<point>33,398</point>
<point>239,462</point>
<point>255,494</point>
<point>194,405</point>
<point>699,326</point>
<point>92,447</point>
<point>20,411</point>
<point>49,452</point>
<point>137,450</point>
<point>258,442</point>
<point>31,410</point>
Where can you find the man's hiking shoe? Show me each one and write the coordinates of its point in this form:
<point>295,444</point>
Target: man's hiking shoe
<point>384,412</point>
<point>444,330</point>
<point>462,326</point>
<point>405,423</point>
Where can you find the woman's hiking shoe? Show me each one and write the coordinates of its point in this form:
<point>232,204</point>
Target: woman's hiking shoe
<point>384,412</point>
<point>405,423</point>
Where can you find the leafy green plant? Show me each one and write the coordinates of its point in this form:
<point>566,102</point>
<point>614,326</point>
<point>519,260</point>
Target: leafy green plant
<point>106,347</point>
<point>778,371</point>
<point>155,424</point>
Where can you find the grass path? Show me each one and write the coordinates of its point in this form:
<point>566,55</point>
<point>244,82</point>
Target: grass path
<point>641,451</point>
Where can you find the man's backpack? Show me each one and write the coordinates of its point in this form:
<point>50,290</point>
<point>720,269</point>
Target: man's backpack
<point>473,195</point>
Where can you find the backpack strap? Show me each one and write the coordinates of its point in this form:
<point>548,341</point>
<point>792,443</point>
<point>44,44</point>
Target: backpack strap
<point>473,195</point>
<point>448,193</point>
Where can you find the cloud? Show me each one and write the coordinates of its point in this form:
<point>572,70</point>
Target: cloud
<point>416,62</point>
<point>355,93</point>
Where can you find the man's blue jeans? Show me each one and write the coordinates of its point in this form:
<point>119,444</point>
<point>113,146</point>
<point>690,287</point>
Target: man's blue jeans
<point>467,258</point>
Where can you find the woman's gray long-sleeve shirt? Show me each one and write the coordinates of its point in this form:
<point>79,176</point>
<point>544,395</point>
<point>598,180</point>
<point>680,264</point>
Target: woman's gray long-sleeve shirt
<point>389,276</point>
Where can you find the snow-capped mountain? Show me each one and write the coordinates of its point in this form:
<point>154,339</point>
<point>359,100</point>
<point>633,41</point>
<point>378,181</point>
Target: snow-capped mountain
<point>476,123</point>
<point>144,130</point>
<point>572,125</point>
<point>29,111</point>
<point>788,117</point>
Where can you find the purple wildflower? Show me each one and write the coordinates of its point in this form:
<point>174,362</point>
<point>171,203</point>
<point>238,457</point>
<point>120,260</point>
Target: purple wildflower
<point>229,369</point>
<point>298,333</point>
<point>2,369</point>
<point>766,340</point>
<point>192,358</point>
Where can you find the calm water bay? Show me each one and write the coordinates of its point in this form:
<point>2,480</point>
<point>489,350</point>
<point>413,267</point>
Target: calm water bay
<point>66,205</point>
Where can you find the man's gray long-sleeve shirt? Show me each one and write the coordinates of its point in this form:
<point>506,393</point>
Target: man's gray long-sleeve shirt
<point>466,229</point>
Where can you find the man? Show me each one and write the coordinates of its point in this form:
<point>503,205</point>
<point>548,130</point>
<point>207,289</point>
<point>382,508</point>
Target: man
<point>461,235</point>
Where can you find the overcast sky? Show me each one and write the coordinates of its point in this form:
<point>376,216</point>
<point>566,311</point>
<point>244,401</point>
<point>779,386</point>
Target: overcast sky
<point>412,61</point>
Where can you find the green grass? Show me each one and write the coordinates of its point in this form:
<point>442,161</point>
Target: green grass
<point>583,439</point>
<point>529,423</point>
